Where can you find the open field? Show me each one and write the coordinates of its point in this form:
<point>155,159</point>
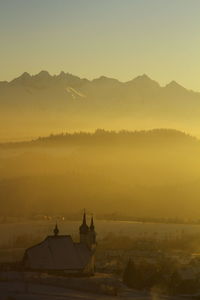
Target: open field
<point>34,232</point>
<point>9,232</point>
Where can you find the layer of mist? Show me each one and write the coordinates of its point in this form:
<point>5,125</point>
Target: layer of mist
<point>144,173</point>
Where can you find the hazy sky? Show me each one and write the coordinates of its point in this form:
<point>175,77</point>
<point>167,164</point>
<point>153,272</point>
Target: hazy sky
<point>116,38</point>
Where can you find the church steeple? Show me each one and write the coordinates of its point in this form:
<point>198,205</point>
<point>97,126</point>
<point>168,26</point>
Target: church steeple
<point>92,224</point>
<point>92,233</point>
<point>84,227</point>
<point>56,230</point>
<point>87,233</point>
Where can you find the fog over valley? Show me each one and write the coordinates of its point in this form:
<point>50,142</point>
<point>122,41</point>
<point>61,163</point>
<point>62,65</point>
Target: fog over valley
<point>140,174</point>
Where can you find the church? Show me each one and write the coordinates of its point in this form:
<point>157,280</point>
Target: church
<point>61,253</point>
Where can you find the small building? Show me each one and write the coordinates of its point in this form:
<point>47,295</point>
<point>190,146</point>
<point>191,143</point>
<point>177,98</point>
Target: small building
<point>61,253</point>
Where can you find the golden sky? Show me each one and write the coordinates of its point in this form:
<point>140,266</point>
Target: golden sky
<point>89,38</point>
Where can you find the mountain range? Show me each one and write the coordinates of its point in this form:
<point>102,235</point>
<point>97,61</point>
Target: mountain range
<point>42,103</point>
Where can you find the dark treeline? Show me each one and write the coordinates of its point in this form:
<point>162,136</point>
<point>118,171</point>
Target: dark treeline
<point>101,136</point>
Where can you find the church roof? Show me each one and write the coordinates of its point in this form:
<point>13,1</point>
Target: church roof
<point>58,253</point>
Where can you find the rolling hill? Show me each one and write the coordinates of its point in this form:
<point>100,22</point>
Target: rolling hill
<point>142,174</point>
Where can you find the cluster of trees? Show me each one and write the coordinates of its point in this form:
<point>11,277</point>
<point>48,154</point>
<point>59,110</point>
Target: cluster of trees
<point>105,136</point>
<point>109,137</point>
<point>163,277</point>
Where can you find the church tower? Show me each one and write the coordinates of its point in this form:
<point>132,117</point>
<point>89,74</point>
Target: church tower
<point>87,234</point>
<point>84,230</point>
<point>92,233</point>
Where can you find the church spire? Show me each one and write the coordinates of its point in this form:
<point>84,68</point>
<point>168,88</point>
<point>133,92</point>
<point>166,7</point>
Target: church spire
<point>84,227</point>
<point>92,233</point>
<point>92,224</point>
<point>56,230</point>
<point>84,218</point>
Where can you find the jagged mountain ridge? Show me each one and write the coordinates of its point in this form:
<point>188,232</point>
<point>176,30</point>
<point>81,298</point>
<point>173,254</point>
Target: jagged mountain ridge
<point>49,102</point>
<point>45,92</point>
<point>44,80</point>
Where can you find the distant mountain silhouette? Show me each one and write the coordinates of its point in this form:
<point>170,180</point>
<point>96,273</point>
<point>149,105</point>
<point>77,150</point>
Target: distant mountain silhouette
<point>68,80</point>
<point>72,102</point>
<point>143,81</point>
